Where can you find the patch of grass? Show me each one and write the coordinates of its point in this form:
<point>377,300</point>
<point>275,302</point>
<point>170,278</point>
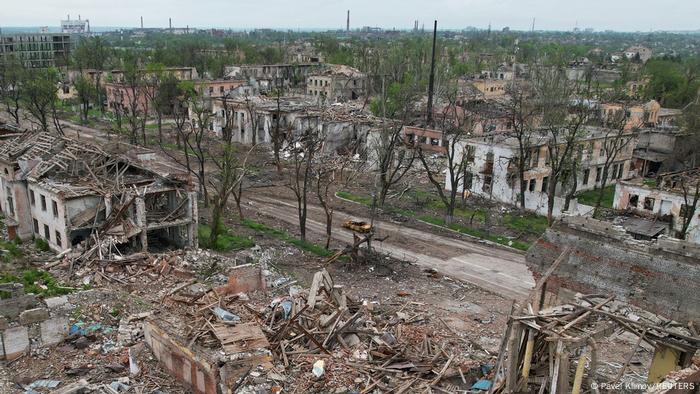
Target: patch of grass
<point>226,241</point>
<point>590,197</point>
<point>477,233</point>
<point>527,223</point>
<point>42,244</point>
<point>10,250</point>
<point>358,199</point>
<point>36,281</point>
<point>288,238</point>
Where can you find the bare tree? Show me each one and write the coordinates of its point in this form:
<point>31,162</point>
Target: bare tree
<point>277,131</point>
<point>522,115</point>
<point>617,136</point>
<point>456,125</point>
<point>134,89</point>
<point>192,134</point>
<point>329,171</point>
<point>301,151</point>
<point>565,111</point>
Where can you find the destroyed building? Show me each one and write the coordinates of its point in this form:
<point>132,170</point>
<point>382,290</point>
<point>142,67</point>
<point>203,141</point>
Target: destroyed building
<point>670,201</point>
<point>66,191</point>
<point>336,83</point>
<point>255,120</point>
<point>491,170</point>
<point>659,276</point>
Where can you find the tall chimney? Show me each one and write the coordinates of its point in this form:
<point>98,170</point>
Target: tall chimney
<point>347,24</point>
<point>431,81</point>
<point>142,22</point>
<point>170,24</point>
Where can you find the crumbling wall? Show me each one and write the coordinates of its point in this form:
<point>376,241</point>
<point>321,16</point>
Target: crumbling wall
<point>659,276</point>
<point>188,367</point>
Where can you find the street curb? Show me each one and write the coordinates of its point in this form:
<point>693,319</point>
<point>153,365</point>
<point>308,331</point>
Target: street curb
<point>480,240</point>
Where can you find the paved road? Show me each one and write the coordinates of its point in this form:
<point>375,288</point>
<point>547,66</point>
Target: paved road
<point>492,268</point>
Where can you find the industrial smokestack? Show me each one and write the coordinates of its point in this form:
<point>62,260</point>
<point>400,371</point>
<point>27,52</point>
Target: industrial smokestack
<point>170,24</point>
<point>347,24</point>
<point>142,22</point>
<point>431,82</point>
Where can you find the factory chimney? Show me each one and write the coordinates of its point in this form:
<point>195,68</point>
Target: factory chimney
<point>347,23</point>
<point>142,22</point>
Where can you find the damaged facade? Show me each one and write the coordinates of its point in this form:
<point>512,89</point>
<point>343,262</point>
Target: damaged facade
<point>65,191</point>
<point>491,170</point>
<point>335,83</point>
<point>257,119</point>
<point>672,201</point>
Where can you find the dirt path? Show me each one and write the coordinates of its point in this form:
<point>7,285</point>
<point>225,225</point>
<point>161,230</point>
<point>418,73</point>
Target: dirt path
<point>492,268</point>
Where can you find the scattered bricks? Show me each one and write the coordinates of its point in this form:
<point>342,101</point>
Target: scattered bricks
<point>3,323</point>
<point>56,302</point>
<point>16,341</point>
<point>54,330</point>
<point>243,279</point>
<point>33,316</point>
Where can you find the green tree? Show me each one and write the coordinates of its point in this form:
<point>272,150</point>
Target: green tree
<point>87,93</point>
<point>39,95</point>
<point>12,74</point>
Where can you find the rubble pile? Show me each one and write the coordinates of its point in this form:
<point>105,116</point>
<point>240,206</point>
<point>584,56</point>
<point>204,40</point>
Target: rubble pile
<point>557,348</point>
<point>322,340</point>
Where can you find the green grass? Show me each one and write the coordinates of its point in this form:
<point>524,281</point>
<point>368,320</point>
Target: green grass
<point>528,223</point>
<point>42,244</point>
<point>225,241</point>
<point>477,233</point>
<point>36,281</point>
<point>358,199</point>
<point>10,250</point>
<point>288,238</point>
<point>590,197</point>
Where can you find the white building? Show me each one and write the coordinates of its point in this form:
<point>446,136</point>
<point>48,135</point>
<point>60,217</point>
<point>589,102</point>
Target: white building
<point>492,169</point>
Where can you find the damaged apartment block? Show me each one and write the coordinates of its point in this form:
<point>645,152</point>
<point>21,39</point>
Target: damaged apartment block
<point>67,191</point>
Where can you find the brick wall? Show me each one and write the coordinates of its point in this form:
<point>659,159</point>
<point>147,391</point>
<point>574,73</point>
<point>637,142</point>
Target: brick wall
<point>660,276</point>
<point>200,374</point>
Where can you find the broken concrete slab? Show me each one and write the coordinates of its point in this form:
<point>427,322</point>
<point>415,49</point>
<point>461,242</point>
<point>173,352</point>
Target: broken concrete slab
<point>12,307</point>
<point>54,330</point>
<point>35,315</point>
<point>56,302</point>
<point>16,342</point>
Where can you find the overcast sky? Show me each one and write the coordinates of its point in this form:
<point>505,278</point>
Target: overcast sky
<point>621,15</point>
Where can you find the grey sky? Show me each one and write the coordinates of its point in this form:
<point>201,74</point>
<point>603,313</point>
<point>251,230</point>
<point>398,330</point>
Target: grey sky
<point>621,15</point>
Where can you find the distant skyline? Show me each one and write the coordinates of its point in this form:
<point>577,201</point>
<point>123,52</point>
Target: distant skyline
<point>618,15</point>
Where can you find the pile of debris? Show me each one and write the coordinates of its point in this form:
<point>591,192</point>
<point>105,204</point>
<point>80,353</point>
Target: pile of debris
<point>318,340</point>
<point>557,349</point>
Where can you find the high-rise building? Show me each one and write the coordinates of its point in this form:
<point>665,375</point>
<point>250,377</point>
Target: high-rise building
<point>38,50</point>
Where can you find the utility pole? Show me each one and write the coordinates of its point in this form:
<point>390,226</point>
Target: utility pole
<point>431,83</point>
